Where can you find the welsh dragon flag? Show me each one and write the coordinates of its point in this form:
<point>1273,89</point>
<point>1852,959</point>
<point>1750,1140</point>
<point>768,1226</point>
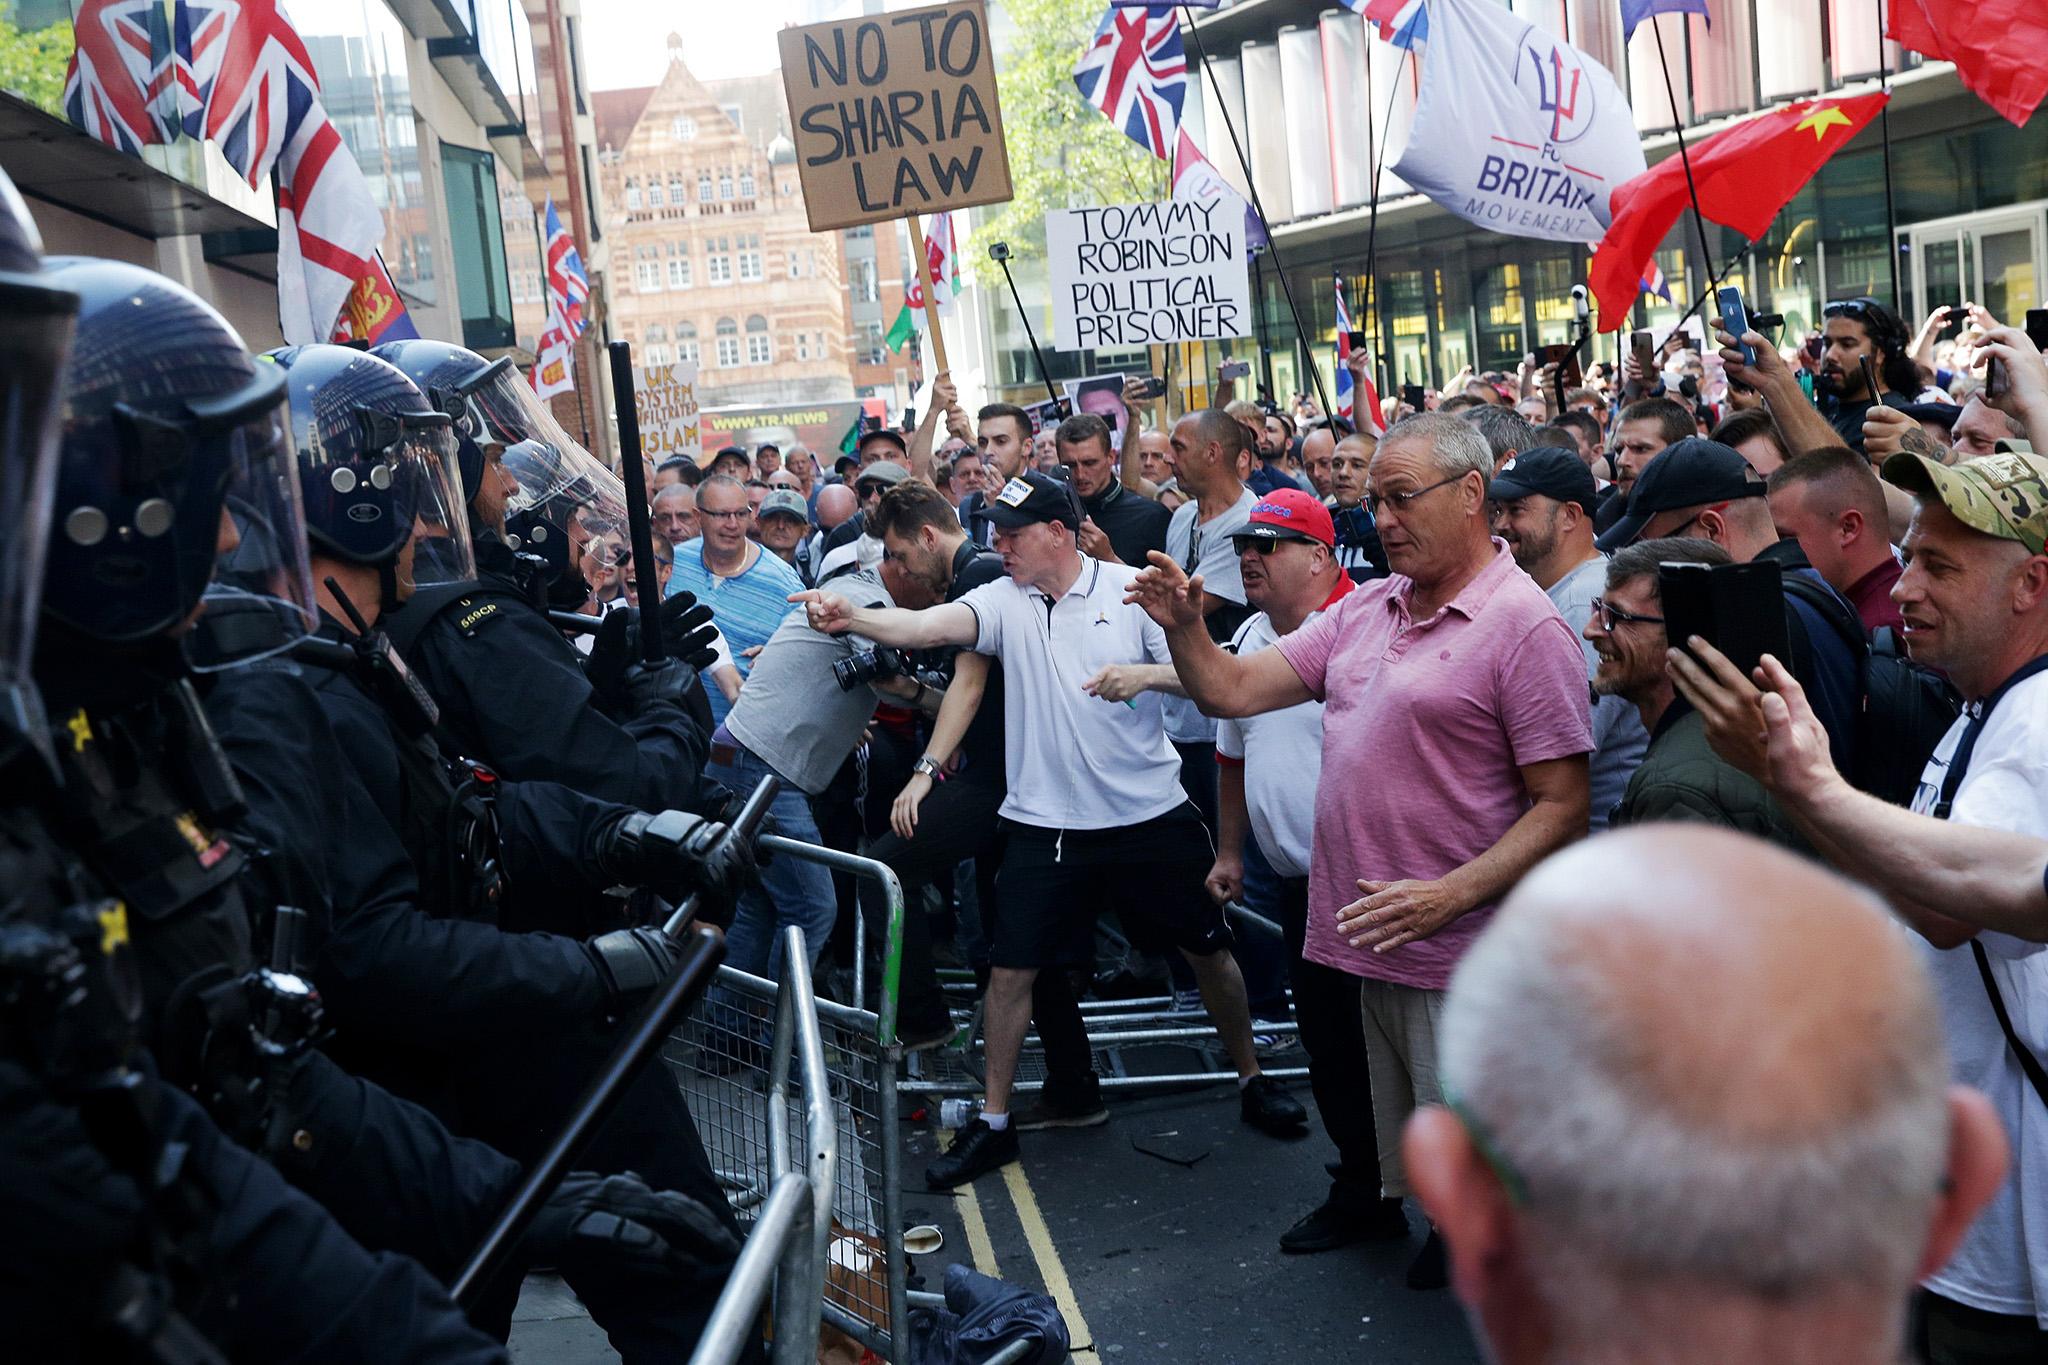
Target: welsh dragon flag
<point>944,253</point>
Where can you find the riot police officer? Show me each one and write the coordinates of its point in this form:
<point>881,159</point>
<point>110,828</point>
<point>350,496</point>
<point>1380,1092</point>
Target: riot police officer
<point>513,693</point>
<point>136,1231</point>
<point>180,552</point>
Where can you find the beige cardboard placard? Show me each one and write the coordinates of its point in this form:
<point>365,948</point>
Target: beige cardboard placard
<point>895,114</point>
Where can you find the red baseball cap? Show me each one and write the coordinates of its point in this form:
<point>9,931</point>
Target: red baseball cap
<point>1290,514</point>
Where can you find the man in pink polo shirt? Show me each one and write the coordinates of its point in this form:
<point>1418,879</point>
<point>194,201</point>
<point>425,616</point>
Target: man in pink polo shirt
<point>1455,732</point>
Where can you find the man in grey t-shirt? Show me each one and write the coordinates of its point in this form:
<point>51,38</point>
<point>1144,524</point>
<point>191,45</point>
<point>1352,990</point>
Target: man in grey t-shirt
<point>793,722</point>
<point>1543,509</point>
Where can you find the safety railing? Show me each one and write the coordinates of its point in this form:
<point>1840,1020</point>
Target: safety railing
<point>733,1063</point>
<point>777,1256</point>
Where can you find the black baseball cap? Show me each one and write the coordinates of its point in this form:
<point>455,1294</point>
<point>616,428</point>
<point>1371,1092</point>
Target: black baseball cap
<point>1549,471</point>
<point>839,466</point>
<point>1688,473</point>
<point>889,434</point>
<point>1033,497</point>
<point>1942,413</point>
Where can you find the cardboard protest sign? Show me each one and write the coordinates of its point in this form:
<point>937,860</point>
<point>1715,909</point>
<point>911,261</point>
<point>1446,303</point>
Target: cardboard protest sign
<point>895,114</point>
<point>1134,274</point>
<point>666,401</point>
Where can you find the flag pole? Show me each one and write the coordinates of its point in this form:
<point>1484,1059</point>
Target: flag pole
<point>931,301</point>
<point>1699,222</point>
<point>1891,207</point>
<point>1251,184</point>
<point>1372,213</point>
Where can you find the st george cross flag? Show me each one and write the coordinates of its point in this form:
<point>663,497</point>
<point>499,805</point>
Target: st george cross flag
<point>555,370</point>
<point>1515,129</point>
<point>258,97</point>
<point>1633,12</point>
<point>1195,177</point>
<point>1135,72</point>
<point>121,86</point>
<point>1361,409</point>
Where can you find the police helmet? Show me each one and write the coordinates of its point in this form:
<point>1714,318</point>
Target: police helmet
<point>446,374</point>
<point>378,466</point>
<point>176,485</point>
<point>33,344</point>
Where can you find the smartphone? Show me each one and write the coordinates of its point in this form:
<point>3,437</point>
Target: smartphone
<point>1739,609</point>
<point>1644,344</point>
<point>1735,320</point>
<point>1413,396</point>
<point>1813,345</point>
<point>1565,356</point>
<point>1358,341</point>
<point>1150,387</point>
<point>2037,328</point>
<point>1233,369</point>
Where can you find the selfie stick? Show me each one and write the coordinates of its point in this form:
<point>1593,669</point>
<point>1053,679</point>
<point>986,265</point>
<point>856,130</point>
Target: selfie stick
<point>634,474</point>
<point>999,252</point>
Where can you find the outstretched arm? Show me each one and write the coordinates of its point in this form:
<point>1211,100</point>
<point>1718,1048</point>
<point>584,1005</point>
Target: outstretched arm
<point>1220,683</point>
<point>951,623</point>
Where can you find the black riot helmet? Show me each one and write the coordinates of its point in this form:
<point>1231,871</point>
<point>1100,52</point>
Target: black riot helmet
<point>446,373</point>
<point>35,339</point>
<point>377,464</point>
<point>176,485</point>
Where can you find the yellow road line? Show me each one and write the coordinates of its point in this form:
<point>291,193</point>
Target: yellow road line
<point>978,1245</point>
<point>1050,1268</point>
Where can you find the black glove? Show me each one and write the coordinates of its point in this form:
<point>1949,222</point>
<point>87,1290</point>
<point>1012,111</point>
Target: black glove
<point>631,962</point>
<point>686,630</point>
<point>615,1224</point>
<point>612,652</point>
<point>643,684</point>
<point>676,853</point>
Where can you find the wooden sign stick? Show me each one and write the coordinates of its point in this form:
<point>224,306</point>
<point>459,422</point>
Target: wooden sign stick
<point>931,300</point>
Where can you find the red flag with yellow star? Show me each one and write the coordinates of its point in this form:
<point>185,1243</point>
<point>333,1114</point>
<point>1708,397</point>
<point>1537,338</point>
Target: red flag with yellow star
<point>1744,175</point>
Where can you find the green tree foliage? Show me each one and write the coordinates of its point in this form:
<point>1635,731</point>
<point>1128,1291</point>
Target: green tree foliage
<point>1063,152</point>
<point>32,63</point>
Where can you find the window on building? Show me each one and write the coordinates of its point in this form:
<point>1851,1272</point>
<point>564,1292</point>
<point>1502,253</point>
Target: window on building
<point>657,355</point>
<point>803,345</point>
<point>717,263</point>
<point>683,128</point>
<point>795,265</point>
<point>725,184</point>
<point>728,340</point>
<point>686,342</point>
<point>751,266</point>
<point>632,194</point>
<point>861,280</point>
<point>655,197</point>
<point>476,235</point>
<point>871,350</point>
<point>746,184</point>
<point>678,191</point>
<point>703,187</point>
<point>864,232</point>
<point>679,272</point>
<point>647,277</point>
<point>760,346</point>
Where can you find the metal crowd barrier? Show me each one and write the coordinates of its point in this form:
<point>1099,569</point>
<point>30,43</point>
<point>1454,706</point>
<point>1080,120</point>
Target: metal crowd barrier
<point>733,1064</point>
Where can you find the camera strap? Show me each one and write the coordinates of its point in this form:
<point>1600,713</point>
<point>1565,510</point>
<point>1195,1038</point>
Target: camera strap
<point>1951,782</point>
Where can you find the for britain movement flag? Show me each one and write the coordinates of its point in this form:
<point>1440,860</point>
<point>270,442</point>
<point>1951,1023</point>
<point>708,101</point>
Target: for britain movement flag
<point>1404,23</point>
<point>1135,72</point>
<point>1515,129</point>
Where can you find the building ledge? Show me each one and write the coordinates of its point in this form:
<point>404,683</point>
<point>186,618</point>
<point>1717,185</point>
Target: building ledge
<point>460,60</point>
<point>52,161</point>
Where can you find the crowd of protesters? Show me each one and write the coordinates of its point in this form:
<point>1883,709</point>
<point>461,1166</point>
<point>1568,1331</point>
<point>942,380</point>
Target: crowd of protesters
<point>1214,625</point>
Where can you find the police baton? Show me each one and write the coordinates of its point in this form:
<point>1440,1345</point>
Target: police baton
<point>634,475</point>
<point>700,951</point>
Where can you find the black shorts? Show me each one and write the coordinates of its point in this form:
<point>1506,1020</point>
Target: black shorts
<point>1053,884</point>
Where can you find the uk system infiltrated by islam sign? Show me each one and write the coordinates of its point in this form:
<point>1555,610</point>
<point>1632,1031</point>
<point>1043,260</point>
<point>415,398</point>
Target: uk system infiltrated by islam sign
<point>1132,274</point>
<point>895,114</point>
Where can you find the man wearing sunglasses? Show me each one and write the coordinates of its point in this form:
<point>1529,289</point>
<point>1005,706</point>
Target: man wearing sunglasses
<point>1680,777</point>
<point>1858,330</point>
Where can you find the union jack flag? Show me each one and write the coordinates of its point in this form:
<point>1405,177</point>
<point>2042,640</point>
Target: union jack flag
<point>1653,282</point>
<point>121,85</point>
<point>1404,23</point>
<point>1363,409</point>
<point>1135,72</point>
<point>249,80</point>
<point>568,286</point>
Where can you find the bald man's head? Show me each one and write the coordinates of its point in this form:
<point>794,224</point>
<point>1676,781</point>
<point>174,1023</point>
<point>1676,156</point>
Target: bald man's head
<point>1729,1094</point>
<point>836,502</point>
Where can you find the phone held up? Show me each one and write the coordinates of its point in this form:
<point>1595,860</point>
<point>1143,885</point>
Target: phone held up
<point>1735,320</point>
<point>1739,609</point>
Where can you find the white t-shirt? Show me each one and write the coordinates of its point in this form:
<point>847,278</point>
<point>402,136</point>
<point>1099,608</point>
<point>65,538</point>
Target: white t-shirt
<point>1075,761</point>
<point>1207,546</point>
<point>2001,1266</point>
<point>1282,753</point>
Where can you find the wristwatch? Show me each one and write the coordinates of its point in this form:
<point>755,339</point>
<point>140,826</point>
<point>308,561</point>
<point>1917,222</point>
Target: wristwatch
<point>926,767</point>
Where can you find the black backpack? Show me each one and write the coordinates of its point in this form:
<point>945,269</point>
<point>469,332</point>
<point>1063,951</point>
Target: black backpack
<point>1903,709</point>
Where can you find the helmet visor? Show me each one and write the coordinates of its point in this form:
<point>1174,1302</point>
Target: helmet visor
<point>260,599</point>
<point>33,347</point>
<point>439,550</point>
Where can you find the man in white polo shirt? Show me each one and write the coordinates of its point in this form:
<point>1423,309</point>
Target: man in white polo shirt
<point>1095,817</point>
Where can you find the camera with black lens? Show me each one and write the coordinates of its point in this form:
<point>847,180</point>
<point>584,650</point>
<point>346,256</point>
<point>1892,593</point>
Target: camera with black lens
<point>999,251</point>
<point>870,665</point>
